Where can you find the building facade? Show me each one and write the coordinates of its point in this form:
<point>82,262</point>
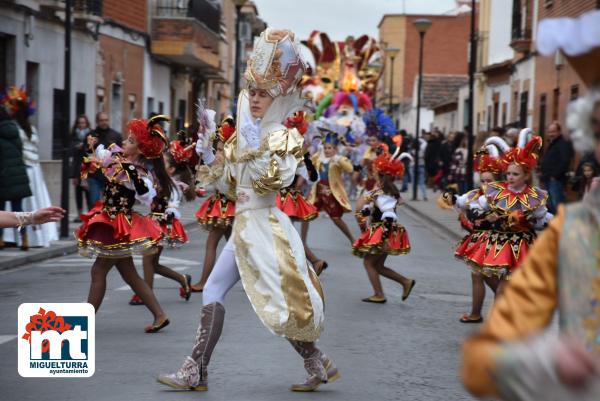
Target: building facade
<point>443,55</point>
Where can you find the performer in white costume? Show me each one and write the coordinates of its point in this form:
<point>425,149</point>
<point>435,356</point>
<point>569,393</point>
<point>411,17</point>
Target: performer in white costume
<point>35,235</point>
<point>264,250</point>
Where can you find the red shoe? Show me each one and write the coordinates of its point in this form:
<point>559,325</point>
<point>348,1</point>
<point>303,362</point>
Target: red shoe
<point>157,327</point>
<point>136,300</point>
<point>185,292</point>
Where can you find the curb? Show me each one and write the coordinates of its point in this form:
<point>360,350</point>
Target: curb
<point>442,227</point>
<point>52,252</point>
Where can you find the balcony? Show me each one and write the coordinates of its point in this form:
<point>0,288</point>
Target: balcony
<point>521,40</point>
<point>187,33</point>
<point>87,11</point>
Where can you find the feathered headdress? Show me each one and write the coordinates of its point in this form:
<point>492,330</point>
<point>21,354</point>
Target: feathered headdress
<point>149,135</point>
<point>226,129</point>
<point>526,152</point>
<point>181,153</point>
<point>13,97</point>
<point>488,160</point>
<point>298,121</point>
<point>379,124</point>
<point>387,164</point>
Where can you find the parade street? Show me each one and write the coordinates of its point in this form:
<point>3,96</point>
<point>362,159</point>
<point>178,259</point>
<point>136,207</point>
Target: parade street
<point>396,351</point>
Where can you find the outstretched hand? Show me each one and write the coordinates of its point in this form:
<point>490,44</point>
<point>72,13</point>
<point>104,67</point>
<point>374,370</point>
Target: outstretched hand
<point>48,214</point>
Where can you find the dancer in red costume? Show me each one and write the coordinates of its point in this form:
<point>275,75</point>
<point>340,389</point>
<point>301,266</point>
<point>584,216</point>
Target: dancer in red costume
<point>174,183</point>
<point>111,230</point>
<point>515,209</point>
<point>382,234</point>
<point>474,221</point>
<point>291,200</point>
<point>217,212</point>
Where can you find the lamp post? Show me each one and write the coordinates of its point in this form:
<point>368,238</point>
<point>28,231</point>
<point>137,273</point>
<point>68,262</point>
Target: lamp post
<point>422,25</point>
<point>470,128</point>
<point>392,52</point>
<point>66,140</point>
<point>238,51</point>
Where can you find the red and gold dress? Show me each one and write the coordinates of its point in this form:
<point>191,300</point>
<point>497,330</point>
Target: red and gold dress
<point>473,219</point>
<point>291,200</point>
<point>111,228</point>
<point>516,215</point>
<point>382,233</point>
<point>164,210</point>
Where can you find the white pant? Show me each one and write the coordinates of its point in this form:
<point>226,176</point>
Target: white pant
<point>224,276</point>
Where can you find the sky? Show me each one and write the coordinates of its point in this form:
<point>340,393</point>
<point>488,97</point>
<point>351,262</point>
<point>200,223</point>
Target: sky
<point>340,18</point>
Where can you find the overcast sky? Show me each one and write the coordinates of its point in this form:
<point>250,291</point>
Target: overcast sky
<point>340,18</point>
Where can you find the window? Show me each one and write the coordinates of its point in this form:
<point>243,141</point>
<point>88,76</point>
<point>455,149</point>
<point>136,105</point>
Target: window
<point>7,61</point>
<point>514,108</point>
<point>161,107</point>
<point>489,118</point>
<point>59,125</point>
<point>496,112</point>
<point>542,122</point>
<point>574,92</point>
<point>116,107</point>
<point>149,106</point>
<point>555,103</point>
<point>523,109</point>
<point>32,83</point>
<point>79,104</point>
<point>180,121</point>
<point>132,105</point>
<point>504,112</point>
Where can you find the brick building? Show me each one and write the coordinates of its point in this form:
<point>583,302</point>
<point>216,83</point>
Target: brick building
<point>444,54</point>
<point>120,61</point>
<point>556,81</point>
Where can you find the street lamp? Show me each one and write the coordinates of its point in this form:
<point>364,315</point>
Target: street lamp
<point>422,25</point>
<point>392,52</point>
<point>66,139</point>
<point>236,77</point>
<point>470,128</point>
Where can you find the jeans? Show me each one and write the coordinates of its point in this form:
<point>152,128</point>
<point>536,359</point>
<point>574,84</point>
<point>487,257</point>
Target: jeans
<point>556,192</point>
<point>15,206</point>
<point>406,179</point>
<point>422,179</point>
<point>95,189</point>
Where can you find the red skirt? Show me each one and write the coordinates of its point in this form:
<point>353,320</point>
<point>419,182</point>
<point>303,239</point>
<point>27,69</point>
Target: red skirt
<point>326,201</point>
<point>296,206</point>
<point>174,234</point>
<point>216,211</point>
<point>119,237</point>
<point>378,239</point>
<point>495,253</point>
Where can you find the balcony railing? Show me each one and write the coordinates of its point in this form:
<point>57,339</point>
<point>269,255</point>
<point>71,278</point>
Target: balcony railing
<point>202,10</point>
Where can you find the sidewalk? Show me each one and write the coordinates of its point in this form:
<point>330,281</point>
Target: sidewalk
<point>445,221</point>
<point>14,257</point>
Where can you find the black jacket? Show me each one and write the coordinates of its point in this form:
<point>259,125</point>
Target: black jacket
<point>556,160</point>
<point>14,182</point>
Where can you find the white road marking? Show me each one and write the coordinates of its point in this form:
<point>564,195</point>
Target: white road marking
<point>4,338</point>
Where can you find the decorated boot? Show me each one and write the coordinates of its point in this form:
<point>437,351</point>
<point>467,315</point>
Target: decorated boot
<point>193,374</point>
<point>313,363</point>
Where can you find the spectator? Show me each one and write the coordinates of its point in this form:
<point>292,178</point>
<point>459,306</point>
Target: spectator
<point>407,145</point>
<point>588,173</point>
<point>512,136</point>
<point>421,167</point>
<point>102,135</point>
<point>446,154</point>
<point>14,182</point>
<point>555,164</point>
<point>458,166</point>
<point>432,155</point>
<point>80,130</point>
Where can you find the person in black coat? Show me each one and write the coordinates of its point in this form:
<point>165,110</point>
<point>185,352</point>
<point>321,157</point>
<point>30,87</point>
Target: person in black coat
<point>554,166</point>
<point>102,135</point>
<point>79,133</point>
<point>14,182</point>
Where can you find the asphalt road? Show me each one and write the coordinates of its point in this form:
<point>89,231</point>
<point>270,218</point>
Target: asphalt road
<point>397,351</point>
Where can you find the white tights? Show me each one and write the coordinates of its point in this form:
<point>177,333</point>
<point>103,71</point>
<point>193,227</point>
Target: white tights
<point>224,276</point>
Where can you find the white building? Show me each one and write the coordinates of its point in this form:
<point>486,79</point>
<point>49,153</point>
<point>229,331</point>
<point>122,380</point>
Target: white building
<point>32,55</point>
